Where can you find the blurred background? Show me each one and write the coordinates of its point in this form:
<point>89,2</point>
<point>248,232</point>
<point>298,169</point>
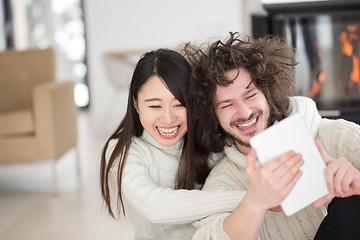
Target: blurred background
<point>96,45</point>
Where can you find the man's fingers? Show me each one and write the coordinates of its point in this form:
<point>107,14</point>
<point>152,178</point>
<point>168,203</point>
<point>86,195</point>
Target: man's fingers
<point>329,177</point>
<point>338,179</point>
<point>251,161</point>
<point>323,200</point>
<point>278,161</point>
<point>324,155</point>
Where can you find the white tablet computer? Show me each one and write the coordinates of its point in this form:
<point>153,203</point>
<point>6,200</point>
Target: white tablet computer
<point>292,134</point>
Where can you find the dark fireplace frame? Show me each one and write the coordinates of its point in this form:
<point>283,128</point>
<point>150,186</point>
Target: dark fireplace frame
<point>263,25</point>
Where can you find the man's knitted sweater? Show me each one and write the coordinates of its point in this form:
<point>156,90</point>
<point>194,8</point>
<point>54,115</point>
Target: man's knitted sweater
<point>339,138</point>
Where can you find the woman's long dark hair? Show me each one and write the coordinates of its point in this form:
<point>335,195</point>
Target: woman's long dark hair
<point>173,69</point>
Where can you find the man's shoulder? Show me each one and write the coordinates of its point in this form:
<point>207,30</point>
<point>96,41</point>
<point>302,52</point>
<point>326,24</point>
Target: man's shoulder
<point>306,107</point>
<point>222,165</point>
<point>299,102</point>
<point>227,174</point>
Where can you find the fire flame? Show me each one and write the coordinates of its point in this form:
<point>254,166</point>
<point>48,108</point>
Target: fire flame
<point>321,77</point>
<point>346,39</point>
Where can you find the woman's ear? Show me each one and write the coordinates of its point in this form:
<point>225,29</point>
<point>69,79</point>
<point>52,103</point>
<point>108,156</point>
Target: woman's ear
<point>136,105</point>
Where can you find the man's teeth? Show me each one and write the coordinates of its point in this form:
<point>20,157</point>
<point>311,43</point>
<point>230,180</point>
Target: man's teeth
<point>168,131</point>
<point>247,124</point>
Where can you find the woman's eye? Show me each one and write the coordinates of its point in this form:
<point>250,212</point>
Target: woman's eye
<point>154,106</point>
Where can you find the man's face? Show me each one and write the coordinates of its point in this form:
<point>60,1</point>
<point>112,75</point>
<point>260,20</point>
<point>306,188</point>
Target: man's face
<point>241,109</point>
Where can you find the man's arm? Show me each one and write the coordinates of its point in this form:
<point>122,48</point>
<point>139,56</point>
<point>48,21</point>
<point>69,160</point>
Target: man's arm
<point>268,186</point>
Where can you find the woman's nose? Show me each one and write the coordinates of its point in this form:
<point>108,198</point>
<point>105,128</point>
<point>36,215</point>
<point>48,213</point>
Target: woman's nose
<point>168,116</point>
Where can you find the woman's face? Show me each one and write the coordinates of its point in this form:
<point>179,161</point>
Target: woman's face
<point>160,113</point>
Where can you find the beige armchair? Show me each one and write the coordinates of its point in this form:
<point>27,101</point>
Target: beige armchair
<point>38,116</point>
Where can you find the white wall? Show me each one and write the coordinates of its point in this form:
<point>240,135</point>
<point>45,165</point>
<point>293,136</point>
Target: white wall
<point>251,7</point>
<point>2,27</point>
<point>123,25</point>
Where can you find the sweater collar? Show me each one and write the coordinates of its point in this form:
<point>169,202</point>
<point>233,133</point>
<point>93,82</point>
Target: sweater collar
<point>235,155</point>
<point>149,139</point>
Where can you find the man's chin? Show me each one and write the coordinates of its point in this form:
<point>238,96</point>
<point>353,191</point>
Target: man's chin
<point>242,143</point>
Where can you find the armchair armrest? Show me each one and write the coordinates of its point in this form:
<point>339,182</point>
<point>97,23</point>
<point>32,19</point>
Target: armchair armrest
<point>55,117</point>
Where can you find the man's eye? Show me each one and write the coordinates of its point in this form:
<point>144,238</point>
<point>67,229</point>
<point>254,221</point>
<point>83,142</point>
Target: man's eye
<point>252,95</point>
<point>226,106</point>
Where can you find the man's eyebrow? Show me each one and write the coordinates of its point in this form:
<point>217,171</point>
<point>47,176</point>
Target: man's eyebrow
<point>221,102</point>
<point>248,85</point>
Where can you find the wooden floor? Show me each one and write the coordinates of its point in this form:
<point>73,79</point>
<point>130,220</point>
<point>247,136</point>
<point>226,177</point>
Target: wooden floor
<point>30,211</point>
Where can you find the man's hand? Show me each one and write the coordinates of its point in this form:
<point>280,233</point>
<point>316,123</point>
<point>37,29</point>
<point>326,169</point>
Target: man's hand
<point>342,178</point>
<point>271,183</point>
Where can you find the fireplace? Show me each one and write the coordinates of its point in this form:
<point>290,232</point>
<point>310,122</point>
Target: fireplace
<point>326,35</point>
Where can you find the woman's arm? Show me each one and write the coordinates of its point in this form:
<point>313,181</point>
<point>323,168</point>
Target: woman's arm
<point>164,204</point>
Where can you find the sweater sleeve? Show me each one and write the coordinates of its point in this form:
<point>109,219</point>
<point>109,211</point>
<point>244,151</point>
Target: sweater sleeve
<point>164,204</point>
<point>341,138</point>
<point>211,228</point>
<point>225,176</point>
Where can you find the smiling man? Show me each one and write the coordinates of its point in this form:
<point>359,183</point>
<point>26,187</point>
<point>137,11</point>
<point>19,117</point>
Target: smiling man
<point>241,109</point>
<point>241,87</point>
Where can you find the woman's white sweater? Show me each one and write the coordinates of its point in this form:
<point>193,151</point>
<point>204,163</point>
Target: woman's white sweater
<point>157,210</point>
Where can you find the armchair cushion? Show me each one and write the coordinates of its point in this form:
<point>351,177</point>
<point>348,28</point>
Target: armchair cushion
<point>16,122</point>
<point>55,115</point>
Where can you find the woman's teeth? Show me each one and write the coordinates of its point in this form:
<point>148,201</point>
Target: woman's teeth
<point>247,124</point>
<point>168,132</point>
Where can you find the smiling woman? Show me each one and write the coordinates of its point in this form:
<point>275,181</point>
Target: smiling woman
<point>160,113</point>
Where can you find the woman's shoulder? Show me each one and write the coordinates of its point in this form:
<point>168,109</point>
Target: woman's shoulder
<point>137,144</point>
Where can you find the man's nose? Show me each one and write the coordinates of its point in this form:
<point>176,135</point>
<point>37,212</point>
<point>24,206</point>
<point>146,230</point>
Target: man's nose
<point>243,110</point>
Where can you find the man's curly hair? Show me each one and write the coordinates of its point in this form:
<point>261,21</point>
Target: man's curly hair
<point>269,61</point>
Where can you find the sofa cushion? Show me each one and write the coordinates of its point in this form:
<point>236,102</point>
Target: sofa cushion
<point>16,122</point>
